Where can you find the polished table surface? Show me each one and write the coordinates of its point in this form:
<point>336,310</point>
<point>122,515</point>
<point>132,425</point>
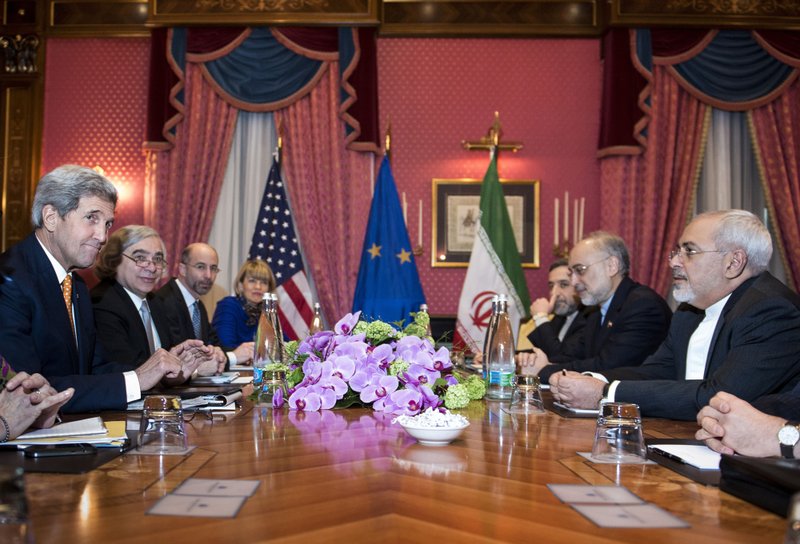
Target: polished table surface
<point>352,476</point>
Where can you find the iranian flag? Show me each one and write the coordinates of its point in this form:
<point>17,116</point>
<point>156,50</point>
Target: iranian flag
<point>494,268</point>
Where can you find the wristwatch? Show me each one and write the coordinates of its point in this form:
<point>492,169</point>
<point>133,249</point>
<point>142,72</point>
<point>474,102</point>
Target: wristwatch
<point>788,436</point>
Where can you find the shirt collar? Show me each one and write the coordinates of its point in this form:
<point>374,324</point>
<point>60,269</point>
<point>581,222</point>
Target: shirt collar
<point>604,306</point>
<point>137,300</point>
<point>188,297</point>
<point>713,311</point>
<point>60,271</point>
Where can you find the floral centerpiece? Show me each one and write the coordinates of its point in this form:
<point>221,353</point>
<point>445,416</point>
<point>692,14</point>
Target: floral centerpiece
<point>375,364</point>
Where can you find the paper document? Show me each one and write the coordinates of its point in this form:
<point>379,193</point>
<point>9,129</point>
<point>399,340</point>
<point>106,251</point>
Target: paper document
<point>113,435</point>
<point>224,378</point>
<point>696,455</point>
<point>92,425</point>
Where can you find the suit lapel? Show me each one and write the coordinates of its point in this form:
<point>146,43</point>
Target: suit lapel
<point>53,300</point>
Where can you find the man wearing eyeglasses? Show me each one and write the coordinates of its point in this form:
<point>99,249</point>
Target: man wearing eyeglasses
<point>46,320</point>
<point>630,320</point>
<point>132,323</point>
<point>197,271</point>
<point>739,331</point>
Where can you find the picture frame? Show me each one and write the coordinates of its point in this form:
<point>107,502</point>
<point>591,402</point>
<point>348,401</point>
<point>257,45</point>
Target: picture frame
<point>456,203</point>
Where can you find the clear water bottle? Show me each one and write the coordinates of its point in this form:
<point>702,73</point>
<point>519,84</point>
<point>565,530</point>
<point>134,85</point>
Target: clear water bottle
<point>266,342</point>
<point>501,354</point>
<point>316,322</point>
<point>423,309</point>
<point>487,341</point>
<point>276,324</point>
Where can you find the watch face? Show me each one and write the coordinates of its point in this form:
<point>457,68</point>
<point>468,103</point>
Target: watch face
<point>788,435</point>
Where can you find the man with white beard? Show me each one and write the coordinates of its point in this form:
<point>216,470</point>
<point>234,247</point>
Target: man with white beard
<point>740,334</point>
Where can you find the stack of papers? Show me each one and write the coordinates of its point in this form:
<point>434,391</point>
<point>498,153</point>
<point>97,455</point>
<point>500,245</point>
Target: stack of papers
<point>696,455</point>
<point>202,402</point>
<point>84,431</point>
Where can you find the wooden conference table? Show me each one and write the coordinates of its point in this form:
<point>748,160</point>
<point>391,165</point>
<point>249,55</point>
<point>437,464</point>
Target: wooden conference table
<point>351,476</point>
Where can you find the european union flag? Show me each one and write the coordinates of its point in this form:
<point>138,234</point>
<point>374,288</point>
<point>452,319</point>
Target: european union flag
<point>388,285</point>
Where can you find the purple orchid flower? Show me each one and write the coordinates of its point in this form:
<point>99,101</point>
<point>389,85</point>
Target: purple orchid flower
<point>347,323</point>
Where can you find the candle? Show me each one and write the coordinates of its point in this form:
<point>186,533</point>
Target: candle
<point>405,210</point>
<point>419,228</point>
<point>575,220</point>
<point>566,217</point>
<point>583,201</point>
<point>555,224</point>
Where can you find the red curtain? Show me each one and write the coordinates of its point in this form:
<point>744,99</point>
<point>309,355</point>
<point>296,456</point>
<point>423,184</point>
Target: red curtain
<point>329,189</point>
<point>775,129</point>
<point>646,198</point>
<point>183,184</point>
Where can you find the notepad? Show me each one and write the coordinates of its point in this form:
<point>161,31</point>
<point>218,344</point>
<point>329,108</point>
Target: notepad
<point>223,379</point>
<point>582,411</point>
<point>89,426</point>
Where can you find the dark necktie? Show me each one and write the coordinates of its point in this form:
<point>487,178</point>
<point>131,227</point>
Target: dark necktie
<point>196,318</point>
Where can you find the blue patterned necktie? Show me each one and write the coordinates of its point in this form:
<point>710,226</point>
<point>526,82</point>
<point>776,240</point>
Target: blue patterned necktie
<point>196,319</point>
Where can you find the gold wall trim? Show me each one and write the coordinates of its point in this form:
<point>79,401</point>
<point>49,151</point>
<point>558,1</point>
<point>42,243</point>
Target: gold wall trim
<point>499,18</point>
<point>264,12</point>
<point>783,14</point>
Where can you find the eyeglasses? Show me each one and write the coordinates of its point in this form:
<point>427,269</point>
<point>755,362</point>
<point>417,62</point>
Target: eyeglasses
<point>143,262</point>
<point>687,253</point>
<point>202,267</point>
<point>580,269</point>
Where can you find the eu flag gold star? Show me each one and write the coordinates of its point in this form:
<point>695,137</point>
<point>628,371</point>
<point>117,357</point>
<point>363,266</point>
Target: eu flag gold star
<point>374,251</point>
<point>404,256</point>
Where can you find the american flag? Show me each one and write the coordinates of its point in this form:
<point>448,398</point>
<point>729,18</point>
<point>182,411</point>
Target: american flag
<point>275,241</point>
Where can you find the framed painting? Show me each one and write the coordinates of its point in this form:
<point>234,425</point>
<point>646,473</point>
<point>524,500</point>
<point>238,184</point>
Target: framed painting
<point>456,204</point>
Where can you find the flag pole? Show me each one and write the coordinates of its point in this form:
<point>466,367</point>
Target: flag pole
<point>279,148</point>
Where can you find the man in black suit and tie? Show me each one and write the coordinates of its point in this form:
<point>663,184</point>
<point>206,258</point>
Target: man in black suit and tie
<point>131,321</point>
<point>561,336</point>
<point>45,310</point>
<point>197,270</point>
<point>630,320</point>
<point>740,334</point>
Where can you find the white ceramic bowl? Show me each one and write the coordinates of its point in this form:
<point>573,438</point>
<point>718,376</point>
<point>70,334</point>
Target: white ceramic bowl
<point>435,436</point>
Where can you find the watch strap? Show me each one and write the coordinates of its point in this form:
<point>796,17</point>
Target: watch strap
<point>787,450</point>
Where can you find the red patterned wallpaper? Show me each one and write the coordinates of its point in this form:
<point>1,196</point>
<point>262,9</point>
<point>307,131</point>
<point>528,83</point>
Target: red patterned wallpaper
<point>95,109</point>
<point>435,91</point>
<point>438,92</point>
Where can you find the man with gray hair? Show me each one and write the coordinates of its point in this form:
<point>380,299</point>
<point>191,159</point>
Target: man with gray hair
<point>628,323</point>
<point>45,310</point>
<point>738,332</point>
<point>131,322</point>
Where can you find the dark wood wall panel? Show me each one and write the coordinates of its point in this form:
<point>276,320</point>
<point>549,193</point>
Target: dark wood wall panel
<point>458,17</point>
<point>95,18</point>
<point>20,160</point>
<point>301,12</point>
<point>707,13</point>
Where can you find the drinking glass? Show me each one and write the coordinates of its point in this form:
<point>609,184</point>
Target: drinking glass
<point>273,388</point>
<point>526,398</point>
<point>618,437</point>
<point>14,524</point>
<point>161,430</point>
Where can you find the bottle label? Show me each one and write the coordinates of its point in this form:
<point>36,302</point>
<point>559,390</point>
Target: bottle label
<point>503,379</point>
<point>258,374</point>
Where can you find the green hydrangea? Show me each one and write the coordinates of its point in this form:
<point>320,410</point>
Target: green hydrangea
<point>276,367</point>
<point>476,387</point>
<point>361,327</point>
<point>397,367</point>
<point>290,349</point>
<point>415,329</point>
<point>418,327</point>
<point>457,396</point>
<point>379,332</point>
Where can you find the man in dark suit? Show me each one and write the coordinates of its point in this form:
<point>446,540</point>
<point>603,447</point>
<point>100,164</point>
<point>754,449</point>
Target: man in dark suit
<point>131,322</point>
<point>630,321</point>
<point>187,314</point>
<point>45,310</point>
<point>561,336</point>
<point>740,334</point>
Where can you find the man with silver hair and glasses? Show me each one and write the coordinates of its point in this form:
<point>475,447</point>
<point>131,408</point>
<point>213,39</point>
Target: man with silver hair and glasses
<point>629,320</point>
<point>45,310</point>
<point>739,331</point>
<point>131,322</point>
